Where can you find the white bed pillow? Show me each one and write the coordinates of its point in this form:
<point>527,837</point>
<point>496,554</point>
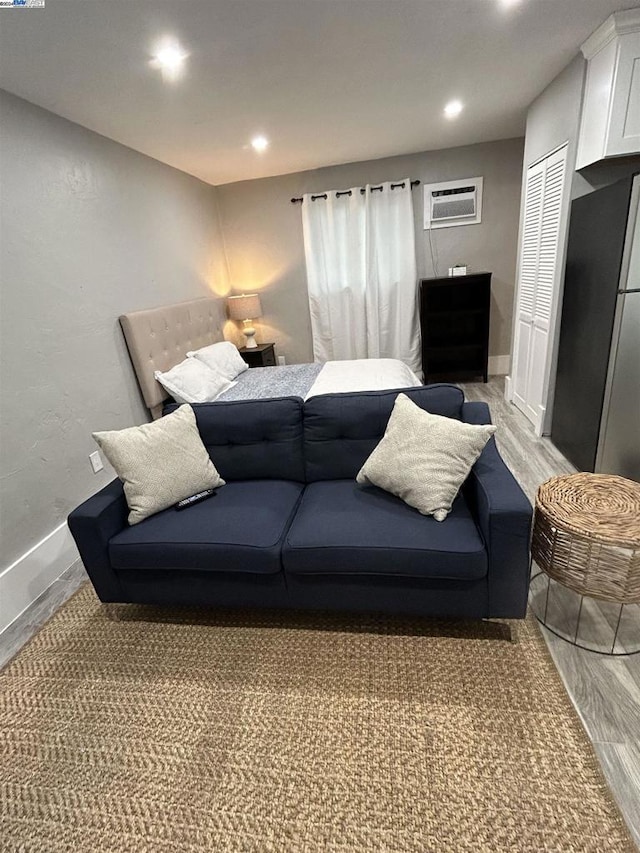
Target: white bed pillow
<point>223,357</point>
<point>191,381</point>
<point>423,458</point>
<point>159,463</point>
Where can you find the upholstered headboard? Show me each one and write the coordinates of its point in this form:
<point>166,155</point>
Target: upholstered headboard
<point>159,338</point>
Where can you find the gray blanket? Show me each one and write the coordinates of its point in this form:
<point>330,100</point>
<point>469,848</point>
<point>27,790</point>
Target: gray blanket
<point>259,383</point>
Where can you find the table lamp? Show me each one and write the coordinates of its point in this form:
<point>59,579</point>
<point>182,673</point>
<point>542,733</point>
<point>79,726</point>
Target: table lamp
<point>246,308</point>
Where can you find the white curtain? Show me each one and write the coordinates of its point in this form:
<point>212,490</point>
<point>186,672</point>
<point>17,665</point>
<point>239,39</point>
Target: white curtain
<point>361,272</point>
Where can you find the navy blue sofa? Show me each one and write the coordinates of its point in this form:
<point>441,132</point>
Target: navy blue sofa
<point>293,529</point>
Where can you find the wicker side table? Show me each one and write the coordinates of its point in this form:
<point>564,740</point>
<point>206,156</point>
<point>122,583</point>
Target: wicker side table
<point>586,536</point>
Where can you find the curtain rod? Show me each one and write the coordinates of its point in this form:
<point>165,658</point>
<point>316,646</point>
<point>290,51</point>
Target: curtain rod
<point>348,192</point>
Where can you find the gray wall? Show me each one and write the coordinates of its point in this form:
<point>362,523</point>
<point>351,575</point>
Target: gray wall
<point>263,233</point>
<point>90,229</point>
<point>554,117</point>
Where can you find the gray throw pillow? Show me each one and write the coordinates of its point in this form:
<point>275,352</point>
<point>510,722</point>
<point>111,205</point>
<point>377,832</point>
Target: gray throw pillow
<point>424,458</point>
<point>159,463</point>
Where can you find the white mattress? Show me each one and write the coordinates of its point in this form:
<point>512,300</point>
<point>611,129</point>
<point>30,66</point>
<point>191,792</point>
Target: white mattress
<point>363,374</point>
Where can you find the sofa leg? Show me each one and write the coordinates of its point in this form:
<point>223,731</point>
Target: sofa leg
<point>112,611</point>
<point>515,625</point>
<point>507,626</point>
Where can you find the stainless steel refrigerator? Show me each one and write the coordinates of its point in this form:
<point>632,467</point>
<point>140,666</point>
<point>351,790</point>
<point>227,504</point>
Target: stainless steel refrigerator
<point>596,412</point>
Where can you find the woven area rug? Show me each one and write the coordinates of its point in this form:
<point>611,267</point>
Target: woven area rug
<point>202,731</point>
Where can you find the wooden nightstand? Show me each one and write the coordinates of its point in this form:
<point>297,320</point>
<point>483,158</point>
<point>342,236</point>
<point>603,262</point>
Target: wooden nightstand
<point>264,355</point>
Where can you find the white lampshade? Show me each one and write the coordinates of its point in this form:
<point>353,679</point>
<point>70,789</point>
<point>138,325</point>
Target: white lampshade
<point>245,307</point>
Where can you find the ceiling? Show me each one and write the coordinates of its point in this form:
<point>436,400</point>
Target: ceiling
<point>327,81</point>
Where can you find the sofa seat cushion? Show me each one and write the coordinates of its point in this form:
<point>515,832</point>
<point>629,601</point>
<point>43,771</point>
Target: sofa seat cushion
<point>240,529</point>
<point>342,528</point>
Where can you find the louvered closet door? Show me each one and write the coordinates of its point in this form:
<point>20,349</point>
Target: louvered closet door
<point>538,284</point>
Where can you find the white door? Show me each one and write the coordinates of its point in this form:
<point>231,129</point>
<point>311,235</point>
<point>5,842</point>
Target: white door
<point>538,285</point>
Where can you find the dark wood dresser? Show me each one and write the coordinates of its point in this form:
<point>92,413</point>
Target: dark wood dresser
<point>454,322</point>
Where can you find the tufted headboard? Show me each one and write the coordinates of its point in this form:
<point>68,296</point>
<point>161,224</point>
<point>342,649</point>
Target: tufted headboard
<point>159,338</point>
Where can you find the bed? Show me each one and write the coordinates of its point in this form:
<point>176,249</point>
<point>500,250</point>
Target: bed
<point>159,338</point>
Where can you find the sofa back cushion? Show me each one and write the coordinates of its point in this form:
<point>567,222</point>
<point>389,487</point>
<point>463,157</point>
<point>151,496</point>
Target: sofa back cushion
<point>341,430</point>
<point>253,439</point>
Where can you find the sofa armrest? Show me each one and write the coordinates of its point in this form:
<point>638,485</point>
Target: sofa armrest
<point>503,514</point>
<point>92,525</point>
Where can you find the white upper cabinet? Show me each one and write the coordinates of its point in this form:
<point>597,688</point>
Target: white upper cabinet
<point>610,125</point>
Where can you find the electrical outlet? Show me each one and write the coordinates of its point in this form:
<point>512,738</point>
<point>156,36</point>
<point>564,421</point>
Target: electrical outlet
<point>282,360</point>
<point>96,461</point>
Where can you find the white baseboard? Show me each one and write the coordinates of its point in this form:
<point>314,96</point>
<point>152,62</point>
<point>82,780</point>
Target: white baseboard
<point>507,389</point>
<point>26,579</point>
<point>499,365</point>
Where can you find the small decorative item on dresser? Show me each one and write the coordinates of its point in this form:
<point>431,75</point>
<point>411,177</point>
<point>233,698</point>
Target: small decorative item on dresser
<point>458,269</point>
<point>262,355</point>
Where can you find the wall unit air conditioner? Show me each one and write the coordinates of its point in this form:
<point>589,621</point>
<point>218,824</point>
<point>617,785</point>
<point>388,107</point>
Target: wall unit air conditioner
<point>453,203</point>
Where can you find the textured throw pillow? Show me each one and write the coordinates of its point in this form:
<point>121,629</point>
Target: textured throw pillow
<point>224,358</point>
<point>192,381</point>
<point>159,463</point>
<point>424,458</point>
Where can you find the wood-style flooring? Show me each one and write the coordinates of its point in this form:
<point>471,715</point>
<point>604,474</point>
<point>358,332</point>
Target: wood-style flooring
<point>604,690</point>
<point>13,638</point>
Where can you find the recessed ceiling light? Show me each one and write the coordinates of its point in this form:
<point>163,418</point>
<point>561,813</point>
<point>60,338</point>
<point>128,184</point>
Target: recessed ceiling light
<point>170,57</point>
<point>508,3</point>
<point>453,109</point>
<point>260,143</point>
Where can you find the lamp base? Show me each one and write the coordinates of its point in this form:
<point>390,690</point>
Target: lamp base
<point>250,334</point>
